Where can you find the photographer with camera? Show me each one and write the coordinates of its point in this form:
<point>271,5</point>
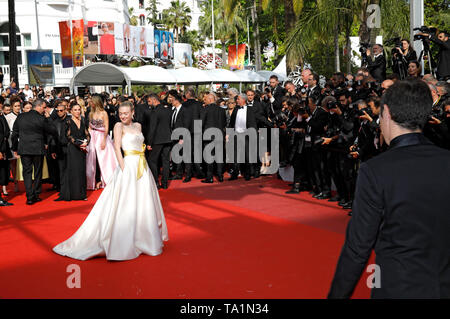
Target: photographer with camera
<point>442,39</point>
<point>315,161</point>
<point>436,129</point>
<point>377,65</point>
<point>402,54</point>
<point>296,133</point>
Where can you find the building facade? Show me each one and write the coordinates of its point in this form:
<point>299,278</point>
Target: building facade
<point>44,16</point>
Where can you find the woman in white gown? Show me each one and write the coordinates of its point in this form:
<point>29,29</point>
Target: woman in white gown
<point>127,218</point>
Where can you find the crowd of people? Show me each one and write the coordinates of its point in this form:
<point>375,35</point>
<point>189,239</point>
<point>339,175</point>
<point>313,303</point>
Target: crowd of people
<point>325,131</point>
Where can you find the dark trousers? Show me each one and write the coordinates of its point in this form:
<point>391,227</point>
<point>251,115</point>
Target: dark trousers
<point>348,169</point>
<point>62,165</point>
<point>32,186</point>
<point>247,169</point>
<point>299,163</point>
<point>335,171</point>
<point>159,151</point>
<point>53,171</point>
<point>315,165</point>
<point>210,167</point>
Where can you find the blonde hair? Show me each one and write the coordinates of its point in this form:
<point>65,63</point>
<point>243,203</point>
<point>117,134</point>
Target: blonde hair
<point>127,104</point>
<point>97,105</point>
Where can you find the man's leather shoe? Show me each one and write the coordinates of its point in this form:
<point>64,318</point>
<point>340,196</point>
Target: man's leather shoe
<point>175,177</point>
<point>37,199</point>
<point>187,180</point>
<point>233,177</point>
<point>350,213</point>
<point>316,195</point>
<point>334,199</point>
<point>324,196</point>
<point>220,178</point>
<point>247,178</point>
<point>164,186</point>
<point>293,190</point>
<point>30,202</point>
<point>5,203</point>
<point>208,180</point>
<point>200,176</point>
<point>59,199</point>
<point>257,174</point>
<point>347,205</point>
<point>342,202</point>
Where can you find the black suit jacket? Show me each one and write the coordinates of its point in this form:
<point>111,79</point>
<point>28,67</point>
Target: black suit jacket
<point>377,68</point>
<point>316,125</point>
<point>213,115</point>
<point>251,119</point>
<point>260,113</point>
<point>401,211</point>
<point>29,133</point>
<point>4,135</point>
<point>183,119</point>
<point>159,131</point>
<point>443,67</point>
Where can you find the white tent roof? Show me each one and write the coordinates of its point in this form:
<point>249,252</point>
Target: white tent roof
<point>149,74</point>
<point>248,76</point>
<point>223,76</point>
<point>108,74</point>
<point>281,68</point>
<point>190,75</point>
<point>267,74</point>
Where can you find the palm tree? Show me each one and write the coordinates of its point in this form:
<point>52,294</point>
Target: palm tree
<point>133,18</point>
<point>177,17</point>
<point>152,10</point>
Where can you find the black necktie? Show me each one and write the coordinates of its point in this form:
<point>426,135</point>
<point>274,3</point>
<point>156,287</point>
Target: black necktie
<point>173,118</point>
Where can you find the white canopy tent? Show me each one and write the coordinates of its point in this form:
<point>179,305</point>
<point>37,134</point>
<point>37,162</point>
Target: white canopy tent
<point>248,76</point>
<point>110,75</point>
<point>190,75</point>
<point>267,74</point>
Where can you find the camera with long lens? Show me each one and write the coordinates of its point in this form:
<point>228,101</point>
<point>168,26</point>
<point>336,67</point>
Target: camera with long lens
<point>423,29</point>
<point>396,42</point>
<point>332,105</point>
<point>368,110</point>
<point>354,149</point>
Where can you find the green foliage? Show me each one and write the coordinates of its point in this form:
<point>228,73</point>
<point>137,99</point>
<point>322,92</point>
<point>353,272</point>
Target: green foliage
<point>177,17</point>
<point>194,39</point>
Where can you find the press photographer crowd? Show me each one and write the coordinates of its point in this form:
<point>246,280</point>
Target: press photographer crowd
<point>325,131</point>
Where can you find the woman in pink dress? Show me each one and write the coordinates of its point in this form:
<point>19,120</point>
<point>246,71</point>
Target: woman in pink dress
<point>101,148</point>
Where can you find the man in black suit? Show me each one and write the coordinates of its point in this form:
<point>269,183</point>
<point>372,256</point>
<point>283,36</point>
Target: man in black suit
<point>158,140</point>
<point>28,140</point>
<point>181,118</point>
<point>377,66</point>
<point>213,116</point>
<point>401,207</point>
<point>313,92</point>
<point>58,145</point>
<point>315,129</point>
<point>275,94</point>
<point>243,121</point>
<point>195,108</point>
<point>261,121</point>
<point>443,66</point>
<point>5,154</point>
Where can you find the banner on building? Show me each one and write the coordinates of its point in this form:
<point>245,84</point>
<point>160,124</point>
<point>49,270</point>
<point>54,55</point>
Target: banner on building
<point>90,40</point>
<point>110,38</point>
<point>236,59</point>
<point>40,67</point>
<point>66,44</point>
<point>183,55</point>
<point>77,42</point>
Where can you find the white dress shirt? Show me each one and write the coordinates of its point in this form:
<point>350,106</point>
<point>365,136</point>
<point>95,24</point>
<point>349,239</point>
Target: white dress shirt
<point>241,120</point>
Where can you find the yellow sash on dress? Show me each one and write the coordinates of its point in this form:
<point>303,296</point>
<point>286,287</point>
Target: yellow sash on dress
<point>142,161</point>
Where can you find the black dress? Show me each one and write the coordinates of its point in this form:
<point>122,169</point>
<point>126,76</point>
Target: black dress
<point>75,185</point>
<point>4,149</point>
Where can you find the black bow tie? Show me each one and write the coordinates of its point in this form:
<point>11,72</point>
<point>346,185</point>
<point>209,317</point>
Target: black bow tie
<point>239,107</point>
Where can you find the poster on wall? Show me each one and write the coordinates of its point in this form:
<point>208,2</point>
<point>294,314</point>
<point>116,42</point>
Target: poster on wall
<point>171,46</point>
<point>157,42</point>
<point>106,37</point>
<point>142,42</point>
<point>149,42</point>
<point>164,45</point>
<point>40,67</point>
<point>66,45</point>
<point>183,55</point>
<point>236,59</point>
<point>77,42</point>
<point>134,40</point>
<point>119,39</point>
<point>90,39</point>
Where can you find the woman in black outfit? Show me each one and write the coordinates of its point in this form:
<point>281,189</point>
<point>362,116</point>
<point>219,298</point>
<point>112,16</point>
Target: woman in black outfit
<point>78,137</point>
<point>402,57</point>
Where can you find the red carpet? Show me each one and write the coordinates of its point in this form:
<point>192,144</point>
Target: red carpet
<point>230,240</point>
